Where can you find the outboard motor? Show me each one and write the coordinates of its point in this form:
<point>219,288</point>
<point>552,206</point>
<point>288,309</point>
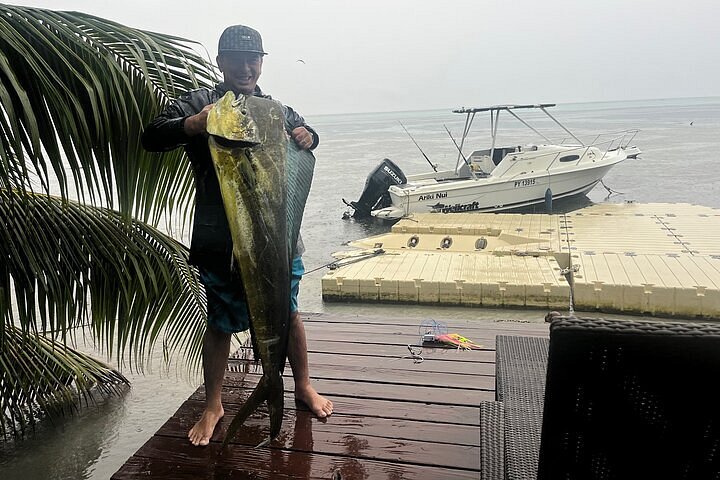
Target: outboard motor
<point>375,194</point>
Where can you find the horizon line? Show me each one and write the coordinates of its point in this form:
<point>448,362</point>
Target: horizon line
<point>557,103</point>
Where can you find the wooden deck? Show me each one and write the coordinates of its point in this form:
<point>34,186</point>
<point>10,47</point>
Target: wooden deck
<point>394,418</point>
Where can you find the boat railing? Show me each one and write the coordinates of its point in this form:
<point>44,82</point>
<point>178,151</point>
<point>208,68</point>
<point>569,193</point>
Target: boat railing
<point>582,151</point>
<point>622,137</point>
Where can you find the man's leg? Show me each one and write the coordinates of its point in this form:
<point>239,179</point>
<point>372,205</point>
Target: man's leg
<point>297,355</point>
<point>216,349</point>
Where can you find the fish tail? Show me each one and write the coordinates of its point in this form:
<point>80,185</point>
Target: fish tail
<point>270,389</point>
<point>276,400</point>
<point>257,396</point>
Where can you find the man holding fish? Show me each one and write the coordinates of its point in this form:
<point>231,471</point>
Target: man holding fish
<point>185,123</point>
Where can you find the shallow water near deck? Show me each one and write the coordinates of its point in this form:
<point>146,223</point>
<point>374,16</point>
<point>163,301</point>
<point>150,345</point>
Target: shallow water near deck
<point>678,164</point>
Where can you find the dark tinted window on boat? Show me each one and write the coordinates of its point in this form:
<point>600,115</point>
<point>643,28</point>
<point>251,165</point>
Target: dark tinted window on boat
<point>569,158</point>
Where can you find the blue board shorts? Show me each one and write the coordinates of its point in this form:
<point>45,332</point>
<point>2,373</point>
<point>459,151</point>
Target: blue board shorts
<point>226,303</point>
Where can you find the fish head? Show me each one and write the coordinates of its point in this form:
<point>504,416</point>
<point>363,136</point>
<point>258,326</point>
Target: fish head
<point>230,122</point>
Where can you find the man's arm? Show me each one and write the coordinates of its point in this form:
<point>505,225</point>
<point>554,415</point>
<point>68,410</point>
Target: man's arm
<point>303,134</point>
<point>181,120</point>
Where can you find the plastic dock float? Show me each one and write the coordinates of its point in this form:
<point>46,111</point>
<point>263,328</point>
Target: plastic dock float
<point>657,259</point>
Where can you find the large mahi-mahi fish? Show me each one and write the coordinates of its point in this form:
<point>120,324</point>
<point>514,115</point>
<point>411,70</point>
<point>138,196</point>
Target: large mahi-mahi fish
<point>264,180</point>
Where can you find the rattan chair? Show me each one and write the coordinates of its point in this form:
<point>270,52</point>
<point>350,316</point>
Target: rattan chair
<point>631,400</point>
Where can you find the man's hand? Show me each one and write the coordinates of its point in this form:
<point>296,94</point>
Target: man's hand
<point>197,124</point>
<point>302,137</point>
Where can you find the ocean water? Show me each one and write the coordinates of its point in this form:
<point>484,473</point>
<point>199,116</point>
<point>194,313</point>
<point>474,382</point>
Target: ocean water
<point>678,138</point>
<point>680,141</point>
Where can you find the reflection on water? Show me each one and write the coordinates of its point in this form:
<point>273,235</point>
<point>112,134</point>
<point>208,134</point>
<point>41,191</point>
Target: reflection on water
<point>94,442</point>
<point>92,430</point>
<point>674,167</point>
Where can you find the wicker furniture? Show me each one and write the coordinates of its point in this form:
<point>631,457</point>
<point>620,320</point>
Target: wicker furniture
<point>521,363</point>
<point>492,441</point>
<point>622,400</point>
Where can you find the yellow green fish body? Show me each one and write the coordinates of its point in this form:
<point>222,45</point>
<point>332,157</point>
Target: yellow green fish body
<point>248,145</point>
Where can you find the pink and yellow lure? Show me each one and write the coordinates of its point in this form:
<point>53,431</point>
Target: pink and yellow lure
<point>458,341</point>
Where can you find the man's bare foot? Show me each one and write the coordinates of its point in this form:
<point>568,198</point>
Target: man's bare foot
<point>319,405</point>
<point>202,431</point>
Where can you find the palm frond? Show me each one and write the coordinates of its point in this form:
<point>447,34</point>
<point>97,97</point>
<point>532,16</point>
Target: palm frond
<point>75,92</point>
<point>66,265</point>
<point>41,377</point>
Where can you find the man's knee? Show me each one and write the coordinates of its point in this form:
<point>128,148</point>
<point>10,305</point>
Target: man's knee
<point>217,334</point>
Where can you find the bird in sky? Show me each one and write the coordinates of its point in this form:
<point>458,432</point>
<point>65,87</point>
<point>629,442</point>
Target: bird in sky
<point>301,60</point>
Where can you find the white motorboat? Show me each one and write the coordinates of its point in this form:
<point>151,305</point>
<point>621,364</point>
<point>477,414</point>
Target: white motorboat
<point>496,178</point>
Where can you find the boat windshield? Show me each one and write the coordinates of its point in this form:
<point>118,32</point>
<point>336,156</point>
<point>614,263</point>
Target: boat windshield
<point>494,118</point>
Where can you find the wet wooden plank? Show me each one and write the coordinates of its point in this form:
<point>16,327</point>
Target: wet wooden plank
<point>443,364</point>
<point>482,379</point>
<point>163,455</point>
<point>400,335</point>
<point>389,338</point>
<point>326,363</point>
<point>526,328</point>
<point>393,418</point>
<point>467,328</point>
<point>368,389</point>
<point>379,439</point>
<point>368,407</point>
<point>394,351</point>
<point>339,424</point>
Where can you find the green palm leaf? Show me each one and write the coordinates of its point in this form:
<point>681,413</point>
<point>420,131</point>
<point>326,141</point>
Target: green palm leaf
<point>75,92</point>
<point>68,265</point>
<point>39,376</point>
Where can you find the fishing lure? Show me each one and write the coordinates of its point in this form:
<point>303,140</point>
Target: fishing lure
<point>433,332</point>
<point>458,341</point>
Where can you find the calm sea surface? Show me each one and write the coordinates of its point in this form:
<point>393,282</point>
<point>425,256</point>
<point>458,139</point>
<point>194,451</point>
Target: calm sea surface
<point>680,141</point>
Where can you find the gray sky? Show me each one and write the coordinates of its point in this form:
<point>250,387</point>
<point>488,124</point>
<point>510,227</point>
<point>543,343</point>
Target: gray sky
<point>371,55</point>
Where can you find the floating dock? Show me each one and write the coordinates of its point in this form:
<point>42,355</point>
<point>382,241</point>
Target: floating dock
<point>657,259</point>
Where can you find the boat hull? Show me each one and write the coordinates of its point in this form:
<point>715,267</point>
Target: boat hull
<point>491,194</point>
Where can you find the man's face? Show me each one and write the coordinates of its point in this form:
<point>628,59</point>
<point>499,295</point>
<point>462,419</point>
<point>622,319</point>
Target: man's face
<point>241,70</point>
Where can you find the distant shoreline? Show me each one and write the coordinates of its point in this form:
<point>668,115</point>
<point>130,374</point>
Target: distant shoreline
<point>662,101</point>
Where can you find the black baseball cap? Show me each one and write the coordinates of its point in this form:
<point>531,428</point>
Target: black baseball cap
<point>239,38</point>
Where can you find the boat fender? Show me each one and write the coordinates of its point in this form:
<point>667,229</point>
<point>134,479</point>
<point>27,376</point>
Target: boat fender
<point>481,243</point>
<point>548,201</point>
<point>413,241</point>
<point>446,242</point>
